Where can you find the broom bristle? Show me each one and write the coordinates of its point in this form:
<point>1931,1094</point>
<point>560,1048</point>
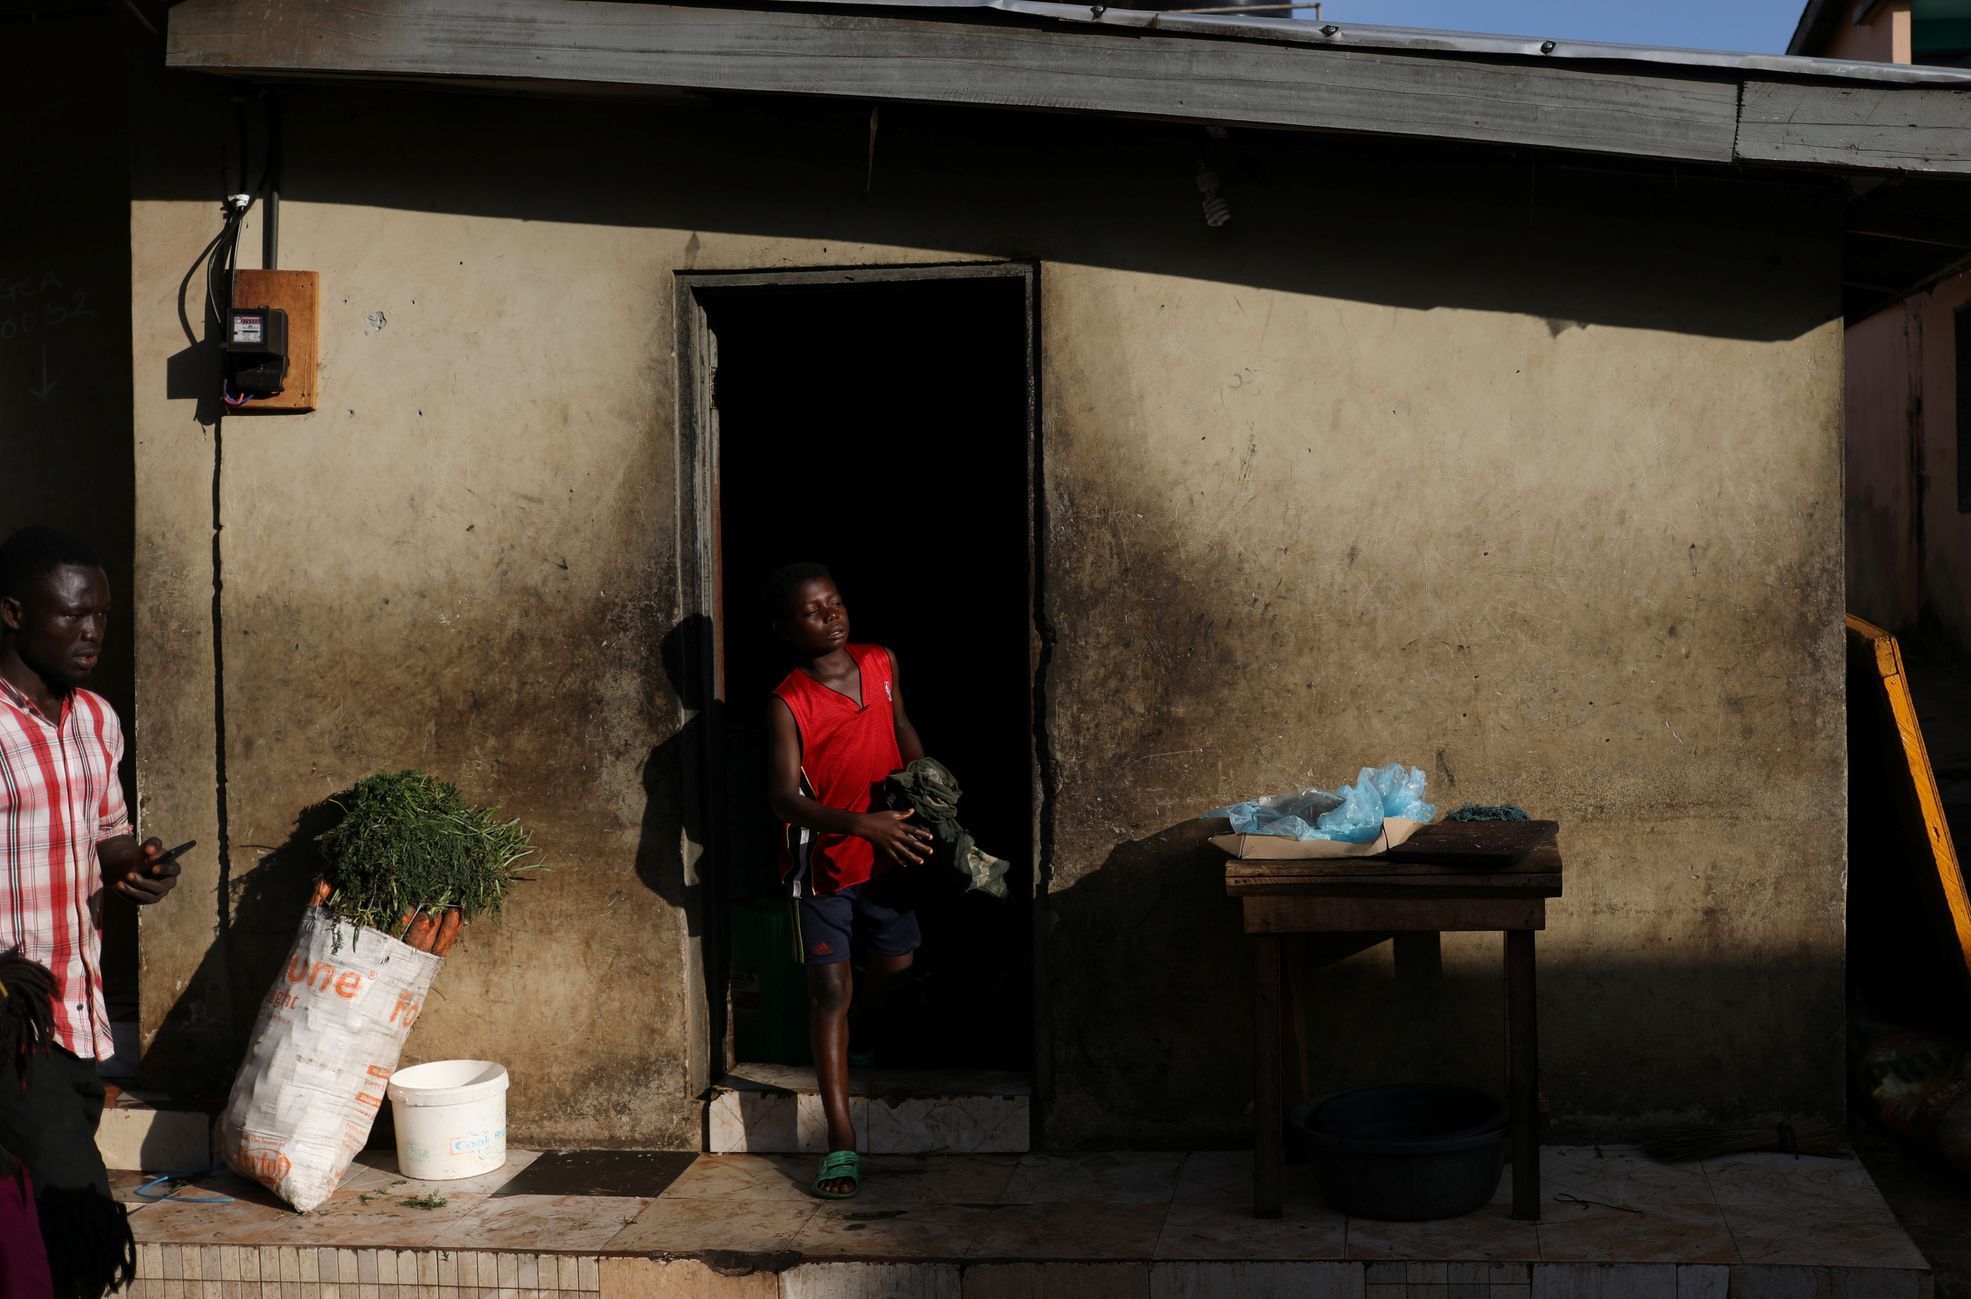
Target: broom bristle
<point>1811,1136</point>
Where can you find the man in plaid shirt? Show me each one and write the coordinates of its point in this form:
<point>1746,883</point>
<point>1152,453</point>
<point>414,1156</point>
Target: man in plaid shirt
<point>65,839</point>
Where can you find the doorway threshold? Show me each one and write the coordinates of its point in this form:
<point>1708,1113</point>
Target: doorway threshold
<point>776,1109</point>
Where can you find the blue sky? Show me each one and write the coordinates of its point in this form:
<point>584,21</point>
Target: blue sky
<point>1754,26</point>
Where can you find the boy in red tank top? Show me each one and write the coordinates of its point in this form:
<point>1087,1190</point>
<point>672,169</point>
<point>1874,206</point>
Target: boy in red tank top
<point>838,729</point>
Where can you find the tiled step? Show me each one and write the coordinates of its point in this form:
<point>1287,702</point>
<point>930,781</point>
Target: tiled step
<point>776,1109</point>
<point>1094,1225</point>
<point>192,1271</point>
<point>147,1132</point>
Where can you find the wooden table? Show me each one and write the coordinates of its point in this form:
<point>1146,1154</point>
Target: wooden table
<point>1449,877</point>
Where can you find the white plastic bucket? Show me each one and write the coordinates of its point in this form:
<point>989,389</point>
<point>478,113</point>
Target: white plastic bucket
<point>451,1119</point>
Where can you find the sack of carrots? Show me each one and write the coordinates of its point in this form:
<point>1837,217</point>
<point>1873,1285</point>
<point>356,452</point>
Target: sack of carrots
<point>404,869</point>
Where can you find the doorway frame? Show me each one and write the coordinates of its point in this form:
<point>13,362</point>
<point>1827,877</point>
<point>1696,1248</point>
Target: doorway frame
<point>699,531</point>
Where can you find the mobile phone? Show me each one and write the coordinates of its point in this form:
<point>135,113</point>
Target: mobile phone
<point>173,855</point>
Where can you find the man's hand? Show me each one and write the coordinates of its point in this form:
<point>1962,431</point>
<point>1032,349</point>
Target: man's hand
<point>133,870</point>
<point>906,845</point>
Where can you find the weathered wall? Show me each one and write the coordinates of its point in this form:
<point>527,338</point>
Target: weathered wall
<point>1526,485</point>
<point>1590,569</point>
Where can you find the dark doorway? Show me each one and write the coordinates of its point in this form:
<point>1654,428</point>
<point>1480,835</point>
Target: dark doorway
<point>65,406</point>
<point>884,429</point>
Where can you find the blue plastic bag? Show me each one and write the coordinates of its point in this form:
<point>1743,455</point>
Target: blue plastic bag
<point>1352,814</point>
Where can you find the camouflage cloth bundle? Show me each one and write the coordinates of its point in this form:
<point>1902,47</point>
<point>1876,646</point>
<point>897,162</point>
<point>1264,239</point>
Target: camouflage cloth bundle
<point>1915,1083</point>
<point>928,788</point>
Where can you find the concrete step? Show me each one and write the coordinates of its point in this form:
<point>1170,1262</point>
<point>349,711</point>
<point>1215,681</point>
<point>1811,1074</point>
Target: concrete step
<point>153,1133</point>
<point>1113,1224</point>
<point>776,1109</point>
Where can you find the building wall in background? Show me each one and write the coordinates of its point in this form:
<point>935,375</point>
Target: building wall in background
<point>1946,526</point>
<point>1538,496</point>
<point>1883,38</point>
<point>1908,543</point>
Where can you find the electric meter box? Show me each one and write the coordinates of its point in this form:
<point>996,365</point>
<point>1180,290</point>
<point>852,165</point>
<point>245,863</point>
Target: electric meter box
<point>256,350</point>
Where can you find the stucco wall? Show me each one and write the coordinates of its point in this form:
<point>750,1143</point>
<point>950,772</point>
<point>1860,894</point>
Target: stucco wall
<point>1527,474</point>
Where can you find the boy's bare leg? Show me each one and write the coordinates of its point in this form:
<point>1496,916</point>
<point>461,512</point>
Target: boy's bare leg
<point>830,988</point>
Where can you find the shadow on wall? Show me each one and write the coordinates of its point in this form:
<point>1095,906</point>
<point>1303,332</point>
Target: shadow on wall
<point>1157,1037</point>
<point>193,372</point>
<point>673,811</point>
<point>1521,232</point>
<point>265,905</point>
<point>264,910</point>
<point>1191,679</point>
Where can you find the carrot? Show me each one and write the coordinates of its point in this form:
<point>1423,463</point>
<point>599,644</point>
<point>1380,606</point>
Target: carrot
<point>403,925</point>
<point>321,896</point>
<point>423,929</point>
<point>448,931</point>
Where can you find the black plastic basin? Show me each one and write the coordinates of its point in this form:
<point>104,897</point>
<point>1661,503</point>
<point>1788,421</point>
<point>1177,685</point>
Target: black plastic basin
<point>1407,1153</point>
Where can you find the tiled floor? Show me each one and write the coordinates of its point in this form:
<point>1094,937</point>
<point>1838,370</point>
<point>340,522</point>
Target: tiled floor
<point>1142,1225</point>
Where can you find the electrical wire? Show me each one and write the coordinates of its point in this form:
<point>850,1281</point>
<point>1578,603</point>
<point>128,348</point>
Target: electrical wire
<point>222,254</point>
<point>233,249</point>
<point>270,184</point>
<point>228,240</point>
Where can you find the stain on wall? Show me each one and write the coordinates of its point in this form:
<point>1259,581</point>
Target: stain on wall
<point>1305,508</point>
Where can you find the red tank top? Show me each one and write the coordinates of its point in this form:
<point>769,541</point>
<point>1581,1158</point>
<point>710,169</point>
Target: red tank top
<point>846,752</point>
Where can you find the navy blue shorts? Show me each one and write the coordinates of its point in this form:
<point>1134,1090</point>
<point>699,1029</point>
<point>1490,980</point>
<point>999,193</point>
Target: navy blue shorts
<point>877,914</point>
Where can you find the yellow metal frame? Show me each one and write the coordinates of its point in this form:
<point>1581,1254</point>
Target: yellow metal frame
<point>1902,706</point>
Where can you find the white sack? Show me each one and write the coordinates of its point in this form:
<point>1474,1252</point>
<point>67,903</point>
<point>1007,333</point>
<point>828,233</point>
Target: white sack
<point>325,1044</point>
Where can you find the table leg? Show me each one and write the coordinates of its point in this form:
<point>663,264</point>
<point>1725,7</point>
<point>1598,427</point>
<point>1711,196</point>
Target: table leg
<point>1523,1073</point>
<point>1293,1014</point>
<point>1268,1111</point>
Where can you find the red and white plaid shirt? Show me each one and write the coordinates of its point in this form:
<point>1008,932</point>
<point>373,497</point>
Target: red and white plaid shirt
<point>59,798</point>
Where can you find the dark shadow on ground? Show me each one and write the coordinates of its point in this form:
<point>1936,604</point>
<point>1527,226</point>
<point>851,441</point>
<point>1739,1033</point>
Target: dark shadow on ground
<point>1932,1201</point>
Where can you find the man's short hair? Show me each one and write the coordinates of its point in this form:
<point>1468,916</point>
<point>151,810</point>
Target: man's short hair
<point>36,551</point>
<point>784,581</point>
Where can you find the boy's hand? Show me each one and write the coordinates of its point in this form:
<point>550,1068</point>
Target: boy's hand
<point>906,845</point>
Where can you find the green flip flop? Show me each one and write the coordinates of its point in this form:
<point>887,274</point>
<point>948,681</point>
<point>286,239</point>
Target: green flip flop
<point>835,1165</point>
